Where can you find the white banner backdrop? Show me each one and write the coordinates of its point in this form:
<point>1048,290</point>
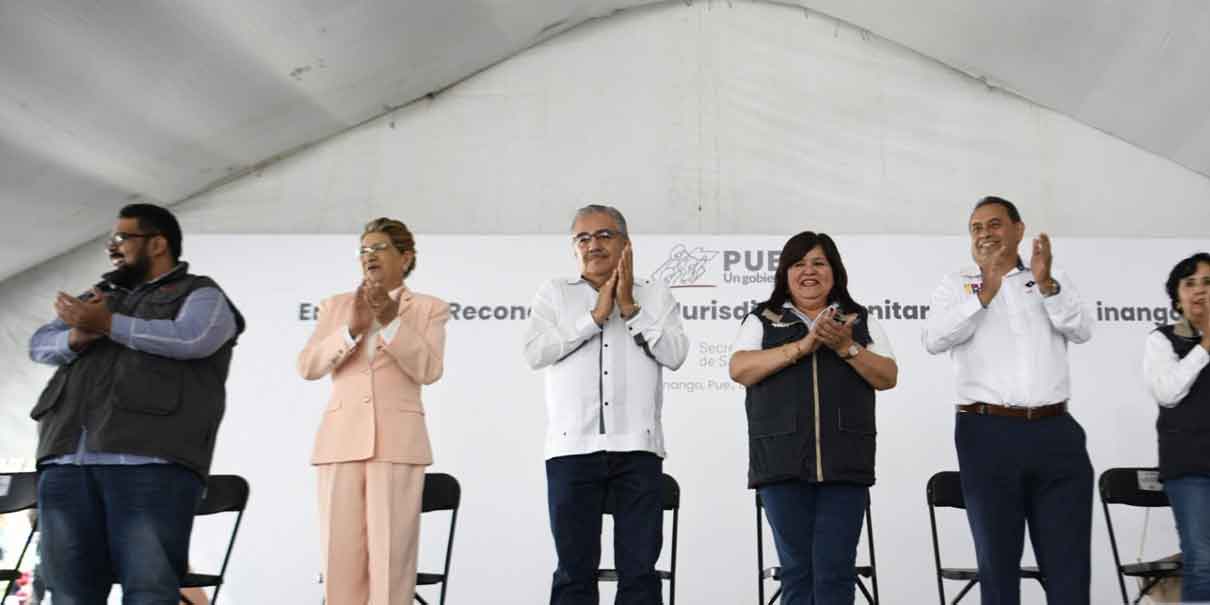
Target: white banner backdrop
<point>486,415</point>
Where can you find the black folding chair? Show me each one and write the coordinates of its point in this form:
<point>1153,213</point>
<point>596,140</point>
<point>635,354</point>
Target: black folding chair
<point>774,573</point>
<point>1135,487</point>
<point>671,501</point>
<point>945,491</point>
<point>18,492</point>
<point>441,492</point>
<point>223,494</point>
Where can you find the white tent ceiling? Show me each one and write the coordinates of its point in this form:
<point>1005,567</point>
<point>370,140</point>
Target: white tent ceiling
<point>101,103</point>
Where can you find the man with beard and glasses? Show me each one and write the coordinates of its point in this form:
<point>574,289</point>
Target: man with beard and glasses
<point>127,425</point>
<point>604,339</point>
<point>1021,455</point>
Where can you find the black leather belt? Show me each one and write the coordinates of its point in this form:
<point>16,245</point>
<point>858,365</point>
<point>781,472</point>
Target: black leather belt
<point>1010,411</point>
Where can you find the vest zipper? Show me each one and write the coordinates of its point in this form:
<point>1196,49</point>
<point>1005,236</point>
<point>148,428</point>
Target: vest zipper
<point>815,388</point>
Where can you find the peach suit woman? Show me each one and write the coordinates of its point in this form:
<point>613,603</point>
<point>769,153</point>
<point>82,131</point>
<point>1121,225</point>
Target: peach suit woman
<point>373,445</point>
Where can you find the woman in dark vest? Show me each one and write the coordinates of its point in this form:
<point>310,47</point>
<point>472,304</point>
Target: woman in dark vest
<point>1175,366</point>
<point>811,359</point>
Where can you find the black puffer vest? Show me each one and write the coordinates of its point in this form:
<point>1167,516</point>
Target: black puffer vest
<point>813,420</point>
<point>1184,430</point>
<point>137,403</point>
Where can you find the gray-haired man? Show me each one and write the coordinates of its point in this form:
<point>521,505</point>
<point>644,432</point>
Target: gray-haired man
<point>604,339</point>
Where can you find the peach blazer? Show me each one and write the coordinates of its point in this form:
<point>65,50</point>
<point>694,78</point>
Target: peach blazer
<point>375,410</point>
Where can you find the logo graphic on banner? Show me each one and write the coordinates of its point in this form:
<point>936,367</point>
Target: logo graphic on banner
<point>685,267</point>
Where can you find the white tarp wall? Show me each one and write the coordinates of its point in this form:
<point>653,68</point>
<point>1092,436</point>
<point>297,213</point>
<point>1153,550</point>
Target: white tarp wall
<point>741,119</point>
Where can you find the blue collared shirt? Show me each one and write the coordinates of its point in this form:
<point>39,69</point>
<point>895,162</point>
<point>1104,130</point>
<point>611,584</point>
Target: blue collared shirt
<point>203,325</point>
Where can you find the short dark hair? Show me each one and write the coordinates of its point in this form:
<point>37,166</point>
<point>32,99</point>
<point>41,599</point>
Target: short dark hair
<point>1183,269</point>
<point>156,220</point>
<point>796,249</point>
<point>1009,207</point>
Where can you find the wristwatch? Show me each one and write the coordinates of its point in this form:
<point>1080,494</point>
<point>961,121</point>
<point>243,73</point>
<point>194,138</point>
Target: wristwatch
<point>852,351</point>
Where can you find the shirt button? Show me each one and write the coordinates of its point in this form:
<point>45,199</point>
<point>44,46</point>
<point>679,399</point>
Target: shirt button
<point>365,400</point>
<point>606,403</point>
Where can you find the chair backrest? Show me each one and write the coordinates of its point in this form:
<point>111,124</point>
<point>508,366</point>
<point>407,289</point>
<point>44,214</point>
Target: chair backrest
<point>223,494</point>
<point>1132,487</point>
<point>945,489</point>
<point>670,494</point>
<point>18,491</point>
<point>441,492</point>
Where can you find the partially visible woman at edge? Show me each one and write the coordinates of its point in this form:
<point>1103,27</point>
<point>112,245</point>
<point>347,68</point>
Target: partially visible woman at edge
<point>811,359</point>
<point>379,343</point>
<point>1176,367</point>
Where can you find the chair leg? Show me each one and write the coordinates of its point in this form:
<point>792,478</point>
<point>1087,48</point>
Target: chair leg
<point>962,593</point>
<point>869,598</point>
<point>421,600</point>
<point>185,599</point>
<point>776,593</point>
<point>1151,582</point>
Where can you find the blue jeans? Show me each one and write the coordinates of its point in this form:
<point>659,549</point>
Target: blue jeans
<point>576,488</point>
<point>1190,499</point>
<point>125,524</point>
<point>1017,471</point>
<point>816,527</point>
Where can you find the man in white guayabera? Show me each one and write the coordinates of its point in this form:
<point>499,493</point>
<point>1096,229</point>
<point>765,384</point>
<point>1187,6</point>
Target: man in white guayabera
<point>603,339</point>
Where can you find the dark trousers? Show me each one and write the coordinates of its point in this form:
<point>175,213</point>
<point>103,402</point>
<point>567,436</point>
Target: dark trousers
<point>576,488</point>
<point>1016,471</point>
<point>125,524</point>
<point>816,528</point>
<point>1190,499</point>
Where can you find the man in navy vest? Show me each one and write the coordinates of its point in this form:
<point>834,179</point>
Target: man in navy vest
<point>127,425</point>
<point>1022,456</point>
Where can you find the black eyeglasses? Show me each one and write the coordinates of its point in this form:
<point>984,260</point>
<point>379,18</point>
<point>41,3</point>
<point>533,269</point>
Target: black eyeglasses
<point>117,238</point>
<point>583,239</point>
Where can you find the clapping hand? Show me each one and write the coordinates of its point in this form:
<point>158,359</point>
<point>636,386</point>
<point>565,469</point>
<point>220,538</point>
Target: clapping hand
<point>363,316</point>
<point>605,299</point>
<point>90,315</point>
<point>625,282</point>
<point>381,303</point>
<point>836,335</point>
<point>1040,261</point>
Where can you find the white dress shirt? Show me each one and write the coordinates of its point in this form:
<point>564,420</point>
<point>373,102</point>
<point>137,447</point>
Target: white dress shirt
<point>1167,376</point>
<point>604,385</point>
<point>1014,352</point>
<point>751,335</point>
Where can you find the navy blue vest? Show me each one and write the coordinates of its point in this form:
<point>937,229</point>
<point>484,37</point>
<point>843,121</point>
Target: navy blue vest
<point>1184,430</point>
<point>813,420</point>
